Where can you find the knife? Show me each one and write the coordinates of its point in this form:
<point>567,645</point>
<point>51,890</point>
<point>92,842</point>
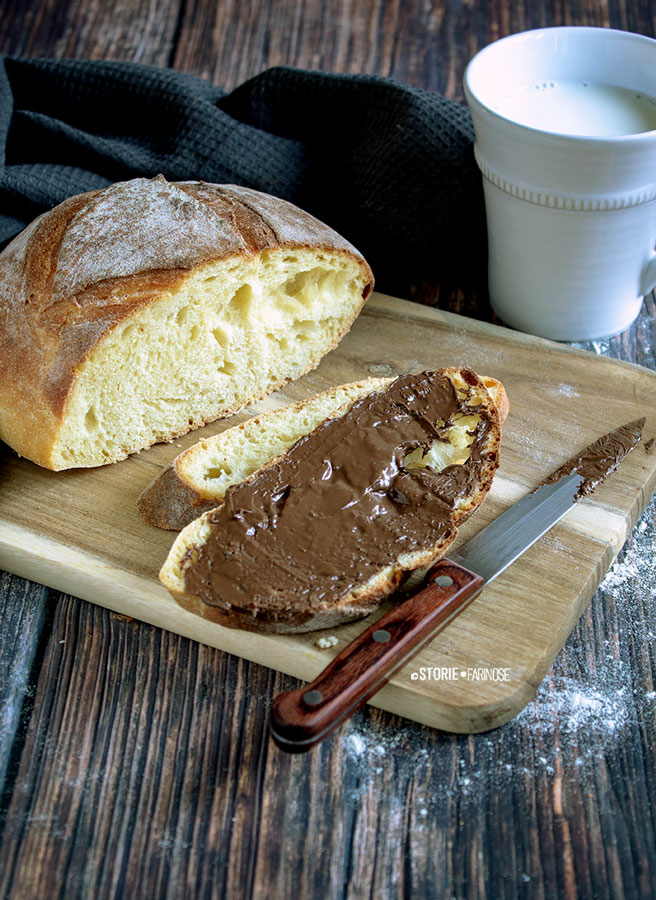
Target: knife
<point>303,717</point>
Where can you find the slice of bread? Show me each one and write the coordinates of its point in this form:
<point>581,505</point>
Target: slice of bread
<point>461,461</point>
<point>197,479</point>
<point>136,313</point>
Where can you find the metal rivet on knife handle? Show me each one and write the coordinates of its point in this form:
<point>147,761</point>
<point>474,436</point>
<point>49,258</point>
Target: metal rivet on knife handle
<point>381,636</point>
<point>443,581</point>
<point>312,698</point>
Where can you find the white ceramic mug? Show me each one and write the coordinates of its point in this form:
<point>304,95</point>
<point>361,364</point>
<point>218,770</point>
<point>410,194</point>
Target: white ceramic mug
<point>571,216</point>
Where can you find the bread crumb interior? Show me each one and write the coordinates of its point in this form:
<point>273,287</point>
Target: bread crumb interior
<point>232,332</point>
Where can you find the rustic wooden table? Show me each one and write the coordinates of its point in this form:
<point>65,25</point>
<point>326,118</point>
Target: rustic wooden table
<point>135,763</point>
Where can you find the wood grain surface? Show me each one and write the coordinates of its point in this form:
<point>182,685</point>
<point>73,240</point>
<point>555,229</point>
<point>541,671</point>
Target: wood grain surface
<point>136,762</point>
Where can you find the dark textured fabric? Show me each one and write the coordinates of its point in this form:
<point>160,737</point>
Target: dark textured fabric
<point>389,166</point>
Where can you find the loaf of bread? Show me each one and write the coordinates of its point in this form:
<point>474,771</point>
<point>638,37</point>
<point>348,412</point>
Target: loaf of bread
<point>133,314</point>
<point>197,479</point>
<point>323,532</point>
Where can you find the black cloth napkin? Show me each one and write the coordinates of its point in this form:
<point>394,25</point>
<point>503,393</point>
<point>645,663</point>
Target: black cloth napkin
<point>389,166</point>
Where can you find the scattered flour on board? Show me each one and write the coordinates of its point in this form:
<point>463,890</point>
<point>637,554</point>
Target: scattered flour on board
<point>566,390</point>
<point>572,720</point>
<point>604,701</point>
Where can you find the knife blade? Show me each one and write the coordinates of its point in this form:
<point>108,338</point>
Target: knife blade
<point>302,718</point>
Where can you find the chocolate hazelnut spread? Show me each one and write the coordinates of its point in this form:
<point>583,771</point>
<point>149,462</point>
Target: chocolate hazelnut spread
<point>339,506</point>
<point>601,458</point>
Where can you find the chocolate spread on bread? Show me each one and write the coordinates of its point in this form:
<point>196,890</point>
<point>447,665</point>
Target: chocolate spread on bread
<point>601,458</point>
<point>339,505</point>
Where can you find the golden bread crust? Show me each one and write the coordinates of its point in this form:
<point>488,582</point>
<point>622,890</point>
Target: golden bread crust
<point>90,263</point>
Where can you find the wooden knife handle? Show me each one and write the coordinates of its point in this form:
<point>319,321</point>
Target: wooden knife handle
<point>305,716</point>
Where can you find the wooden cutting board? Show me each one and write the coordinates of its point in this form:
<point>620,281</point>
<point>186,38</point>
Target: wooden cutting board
<point>80,532</point>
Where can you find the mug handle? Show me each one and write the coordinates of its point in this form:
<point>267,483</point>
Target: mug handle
<point>648,280</point>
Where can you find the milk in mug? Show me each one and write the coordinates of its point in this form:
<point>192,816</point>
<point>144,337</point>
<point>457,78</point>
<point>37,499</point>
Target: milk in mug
<point>580,108</point>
